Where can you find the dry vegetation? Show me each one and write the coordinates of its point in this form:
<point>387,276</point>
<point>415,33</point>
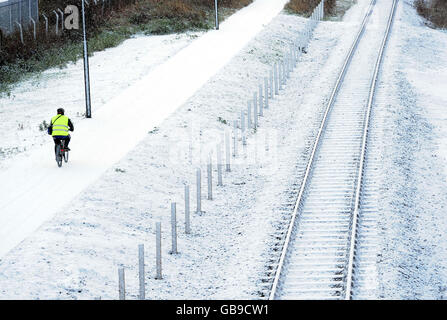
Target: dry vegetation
<point>434,11</point>
<point>305,7</point>
<point>118,22</point>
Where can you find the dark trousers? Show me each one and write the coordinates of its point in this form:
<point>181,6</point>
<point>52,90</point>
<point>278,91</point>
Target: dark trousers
<point>57,140</point>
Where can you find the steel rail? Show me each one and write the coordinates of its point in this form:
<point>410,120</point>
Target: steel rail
<point>315,148</point>
<point>353,235</point>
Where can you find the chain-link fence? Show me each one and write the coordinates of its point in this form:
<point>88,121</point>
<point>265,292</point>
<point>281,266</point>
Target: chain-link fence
<point>14,12</point>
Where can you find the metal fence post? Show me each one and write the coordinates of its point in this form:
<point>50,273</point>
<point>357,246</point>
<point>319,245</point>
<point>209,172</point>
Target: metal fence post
<point>20,11</point>
<point>227,150</point>
<point>34,27</point>
<point>37,11</point>
<point>10,19</point>
<point>21,32</point>
<point>255,111</point>
<point>199,191</point>
<point>187,211</point>
<point>322,9</point>
<point>292,58</point>
<point>295,54</point>
<point>158,251</point>
<point>243,134</point>
<point>275,78</point>
<point>267,147</point>
<point>88,107</point>
<point>142,295</point>
<point>174,228</point>
<point>284,73</point>
<point>235,138</point>
<point>217,14</point>
<point>266,89</point>
<point>46,24</point>
<point>210,178</point>
<point>219,164</point>
<point>62,18</point>
<point>280,76</point>
<point>249,115</point>
<point>122,286</point>
<point>57,22</point>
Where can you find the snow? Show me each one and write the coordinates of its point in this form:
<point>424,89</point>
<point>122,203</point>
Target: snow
<point>117,192</point>
<point>409,152</point>
<point>35,191</point>
<point>75,255</point>
<point>37,98</point>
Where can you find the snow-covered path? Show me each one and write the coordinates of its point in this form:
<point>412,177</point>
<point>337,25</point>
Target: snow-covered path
<point>33,189</point>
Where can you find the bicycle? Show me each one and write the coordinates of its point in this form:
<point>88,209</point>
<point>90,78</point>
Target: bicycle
<point>61,153</point>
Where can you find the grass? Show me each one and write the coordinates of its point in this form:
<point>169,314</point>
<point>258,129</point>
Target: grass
<point>305,7</point>
<point>18,61</point>
<point>434,11</point>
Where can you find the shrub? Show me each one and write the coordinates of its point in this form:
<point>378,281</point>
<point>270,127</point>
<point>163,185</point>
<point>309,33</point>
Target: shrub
<point>306,7</point>
<point>103,30</point>
<point>434,11</point>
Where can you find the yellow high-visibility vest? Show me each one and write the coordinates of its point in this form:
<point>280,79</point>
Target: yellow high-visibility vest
<point>60,125</point>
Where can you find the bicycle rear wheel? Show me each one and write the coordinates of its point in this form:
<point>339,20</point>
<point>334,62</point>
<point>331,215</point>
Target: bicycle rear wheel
<point>58,156</point>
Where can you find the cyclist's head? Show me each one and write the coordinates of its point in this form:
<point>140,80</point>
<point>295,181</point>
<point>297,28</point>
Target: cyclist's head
<point>60,111</point>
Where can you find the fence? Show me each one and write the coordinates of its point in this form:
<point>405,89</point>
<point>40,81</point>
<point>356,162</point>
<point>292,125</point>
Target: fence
<point>15,12</point>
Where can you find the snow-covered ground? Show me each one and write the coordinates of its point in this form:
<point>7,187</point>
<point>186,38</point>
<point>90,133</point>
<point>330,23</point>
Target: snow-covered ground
<point>410,128</point>
<point>76,254</point>
<point>35,191</point>
<point>111,71</point>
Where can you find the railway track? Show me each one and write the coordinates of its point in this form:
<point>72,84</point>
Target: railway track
<point>319,253</point>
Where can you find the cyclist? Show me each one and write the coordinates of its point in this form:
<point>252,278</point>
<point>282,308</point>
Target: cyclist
<point>59,127</point>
